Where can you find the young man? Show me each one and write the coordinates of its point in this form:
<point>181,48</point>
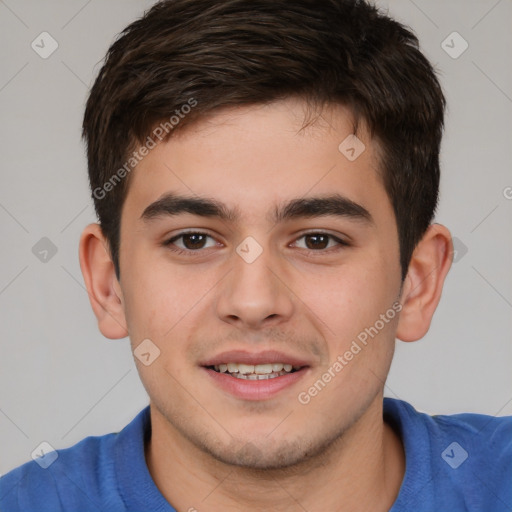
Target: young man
<point>265,175</point>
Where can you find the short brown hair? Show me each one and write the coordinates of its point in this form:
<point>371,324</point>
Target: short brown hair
<point>222,53</point>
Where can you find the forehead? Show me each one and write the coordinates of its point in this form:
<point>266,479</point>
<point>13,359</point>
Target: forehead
<point>254,158</point>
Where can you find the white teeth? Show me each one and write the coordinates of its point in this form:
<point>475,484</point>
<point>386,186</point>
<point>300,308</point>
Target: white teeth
<point>232,367</point>
<point>244,369</point>
<point>240,369</point>
<point>256,376</point>
<point>263,368</point>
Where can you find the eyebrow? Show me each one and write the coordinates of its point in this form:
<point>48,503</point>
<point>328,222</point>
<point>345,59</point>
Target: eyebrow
<point>171,204</point>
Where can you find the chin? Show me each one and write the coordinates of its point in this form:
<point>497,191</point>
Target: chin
<point>253,457</point>
<point>275,455</point>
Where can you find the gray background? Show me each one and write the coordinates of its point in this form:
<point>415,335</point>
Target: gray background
<point>60,380</point>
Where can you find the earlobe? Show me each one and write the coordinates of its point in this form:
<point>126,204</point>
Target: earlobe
<point>429,265</point>
<point>102,286</point>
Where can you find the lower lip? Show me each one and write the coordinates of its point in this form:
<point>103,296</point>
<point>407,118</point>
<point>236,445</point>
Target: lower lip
<point>255,389</point>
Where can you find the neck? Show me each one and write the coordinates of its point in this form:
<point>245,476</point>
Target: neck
<point>362,470</point>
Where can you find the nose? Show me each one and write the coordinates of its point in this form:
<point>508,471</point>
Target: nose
<point>255,295</point>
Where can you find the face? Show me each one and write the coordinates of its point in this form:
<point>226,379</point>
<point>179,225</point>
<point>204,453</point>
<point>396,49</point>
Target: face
<point>286,255</point>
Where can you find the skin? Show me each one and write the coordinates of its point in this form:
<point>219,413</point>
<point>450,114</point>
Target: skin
<point>210,450</point>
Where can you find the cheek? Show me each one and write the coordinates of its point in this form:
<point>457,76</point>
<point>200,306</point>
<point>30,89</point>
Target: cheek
<point>161,298</point>
<point>355,306</point>
<point>153,298</point>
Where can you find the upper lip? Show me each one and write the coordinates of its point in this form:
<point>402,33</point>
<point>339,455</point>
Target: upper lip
<point>266,356</point>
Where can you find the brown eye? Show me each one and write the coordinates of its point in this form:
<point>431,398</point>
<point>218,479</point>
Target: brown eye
<point>194,241</point>
<point>319,242</point>
<point>316,241</point>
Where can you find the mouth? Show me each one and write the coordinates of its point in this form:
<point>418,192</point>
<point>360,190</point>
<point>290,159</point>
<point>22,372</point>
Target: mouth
<point>263,371</point>
<point>255,376</point>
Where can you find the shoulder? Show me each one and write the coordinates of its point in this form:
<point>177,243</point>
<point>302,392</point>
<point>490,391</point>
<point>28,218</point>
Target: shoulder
<point>82,478</point>
<point>43,484</point>
<point>483,434</point>
<point>459,461</point>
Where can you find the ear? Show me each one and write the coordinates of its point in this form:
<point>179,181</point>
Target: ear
<point>101,282</point>
<point>430,263</point>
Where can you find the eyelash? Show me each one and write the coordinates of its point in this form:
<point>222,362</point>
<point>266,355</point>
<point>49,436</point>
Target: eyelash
<point>191,253</point>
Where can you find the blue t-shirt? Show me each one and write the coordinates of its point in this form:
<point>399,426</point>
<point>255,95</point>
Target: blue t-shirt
<point>454,463</point>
